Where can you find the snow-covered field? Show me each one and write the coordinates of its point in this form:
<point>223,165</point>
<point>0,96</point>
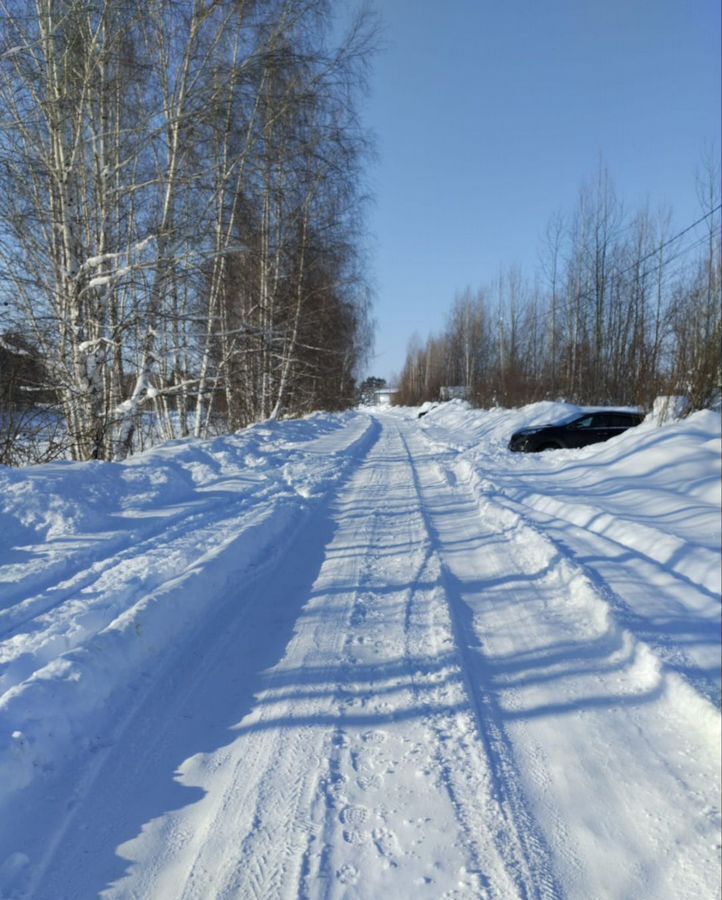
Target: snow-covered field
<point>365,656</point>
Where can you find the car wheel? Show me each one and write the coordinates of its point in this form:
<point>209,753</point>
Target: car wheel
<point>550,446</point>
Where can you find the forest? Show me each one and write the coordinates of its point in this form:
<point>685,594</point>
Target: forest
<point>623,308</point>
<point>181,206</point>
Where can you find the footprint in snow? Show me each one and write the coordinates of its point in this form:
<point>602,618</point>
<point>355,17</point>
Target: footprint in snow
<point>369,780</point>
<point>387,845</point>
<point>354,817</point>
<point>335,786</point>
<point>348,874</point>
<point>353,836</point>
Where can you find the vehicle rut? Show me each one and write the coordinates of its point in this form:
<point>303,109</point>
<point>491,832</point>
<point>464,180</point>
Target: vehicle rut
<point>519,841</point>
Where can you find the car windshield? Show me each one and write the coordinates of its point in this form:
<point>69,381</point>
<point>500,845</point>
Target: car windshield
<point>569,418</point>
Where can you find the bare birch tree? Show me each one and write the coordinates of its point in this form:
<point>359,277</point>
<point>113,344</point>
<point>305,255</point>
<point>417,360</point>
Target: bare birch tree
<point>166,171</point>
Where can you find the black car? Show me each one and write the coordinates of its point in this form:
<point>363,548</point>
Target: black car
<point>577,430</point>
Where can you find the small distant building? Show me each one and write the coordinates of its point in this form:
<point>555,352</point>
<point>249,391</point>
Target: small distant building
<point>384,396</point>
<point>459,392</point>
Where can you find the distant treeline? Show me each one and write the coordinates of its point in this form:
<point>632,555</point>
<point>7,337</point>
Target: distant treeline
<point>624,308</point>
<point>180,207</point>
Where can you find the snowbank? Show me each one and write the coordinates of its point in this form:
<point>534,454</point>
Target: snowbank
<point>104,567</point>
<point>655,489</point>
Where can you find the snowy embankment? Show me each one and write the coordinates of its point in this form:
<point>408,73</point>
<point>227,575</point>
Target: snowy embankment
<point>104,567</point>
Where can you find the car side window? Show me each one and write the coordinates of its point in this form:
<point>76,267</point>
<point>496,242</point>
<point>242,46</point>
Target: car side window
<point>601,421</point>
<point>586,422</point>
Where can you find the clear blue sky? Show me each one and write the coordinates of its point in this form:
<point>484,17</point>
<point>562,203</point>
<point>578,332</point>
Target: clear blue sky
<point>489,114</point>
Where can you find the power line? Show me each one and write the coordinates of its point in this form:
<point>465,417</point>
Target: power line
<point>698,242</point>
<point>669,241</point>
<point>589,295</point>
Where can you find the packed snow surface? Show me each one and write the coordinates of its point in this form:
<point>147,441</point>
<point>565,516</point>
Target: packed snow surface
<point>365,656</point>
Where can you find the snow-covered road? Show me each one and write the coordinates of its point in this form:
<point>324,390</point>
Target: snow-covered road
<point>400,676</point>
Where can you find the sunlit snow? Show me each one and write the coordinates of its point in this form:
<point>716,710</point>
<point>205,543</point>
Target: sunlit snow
<point>365,656</point>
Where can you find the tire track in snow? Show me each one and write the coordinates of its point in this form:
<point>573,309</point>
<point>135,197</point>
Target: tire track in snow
<point>271,856</point>
<point>139,737</point>
<point>89,602</point>
<point>116,552</point>
<point>634,628</point>
<point>519,840</point>
<point>361,824</point>
<point>459,753</point>
<point>392,825</point>
<point>637,745</point>
<point>139,606</point>
<point>668,647</point>
<point>280,778</point>
<point>650,543</point>
<point>122,550</point>
<point>177,697</point>
<point>663,589</point>
<point>353,816</point>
